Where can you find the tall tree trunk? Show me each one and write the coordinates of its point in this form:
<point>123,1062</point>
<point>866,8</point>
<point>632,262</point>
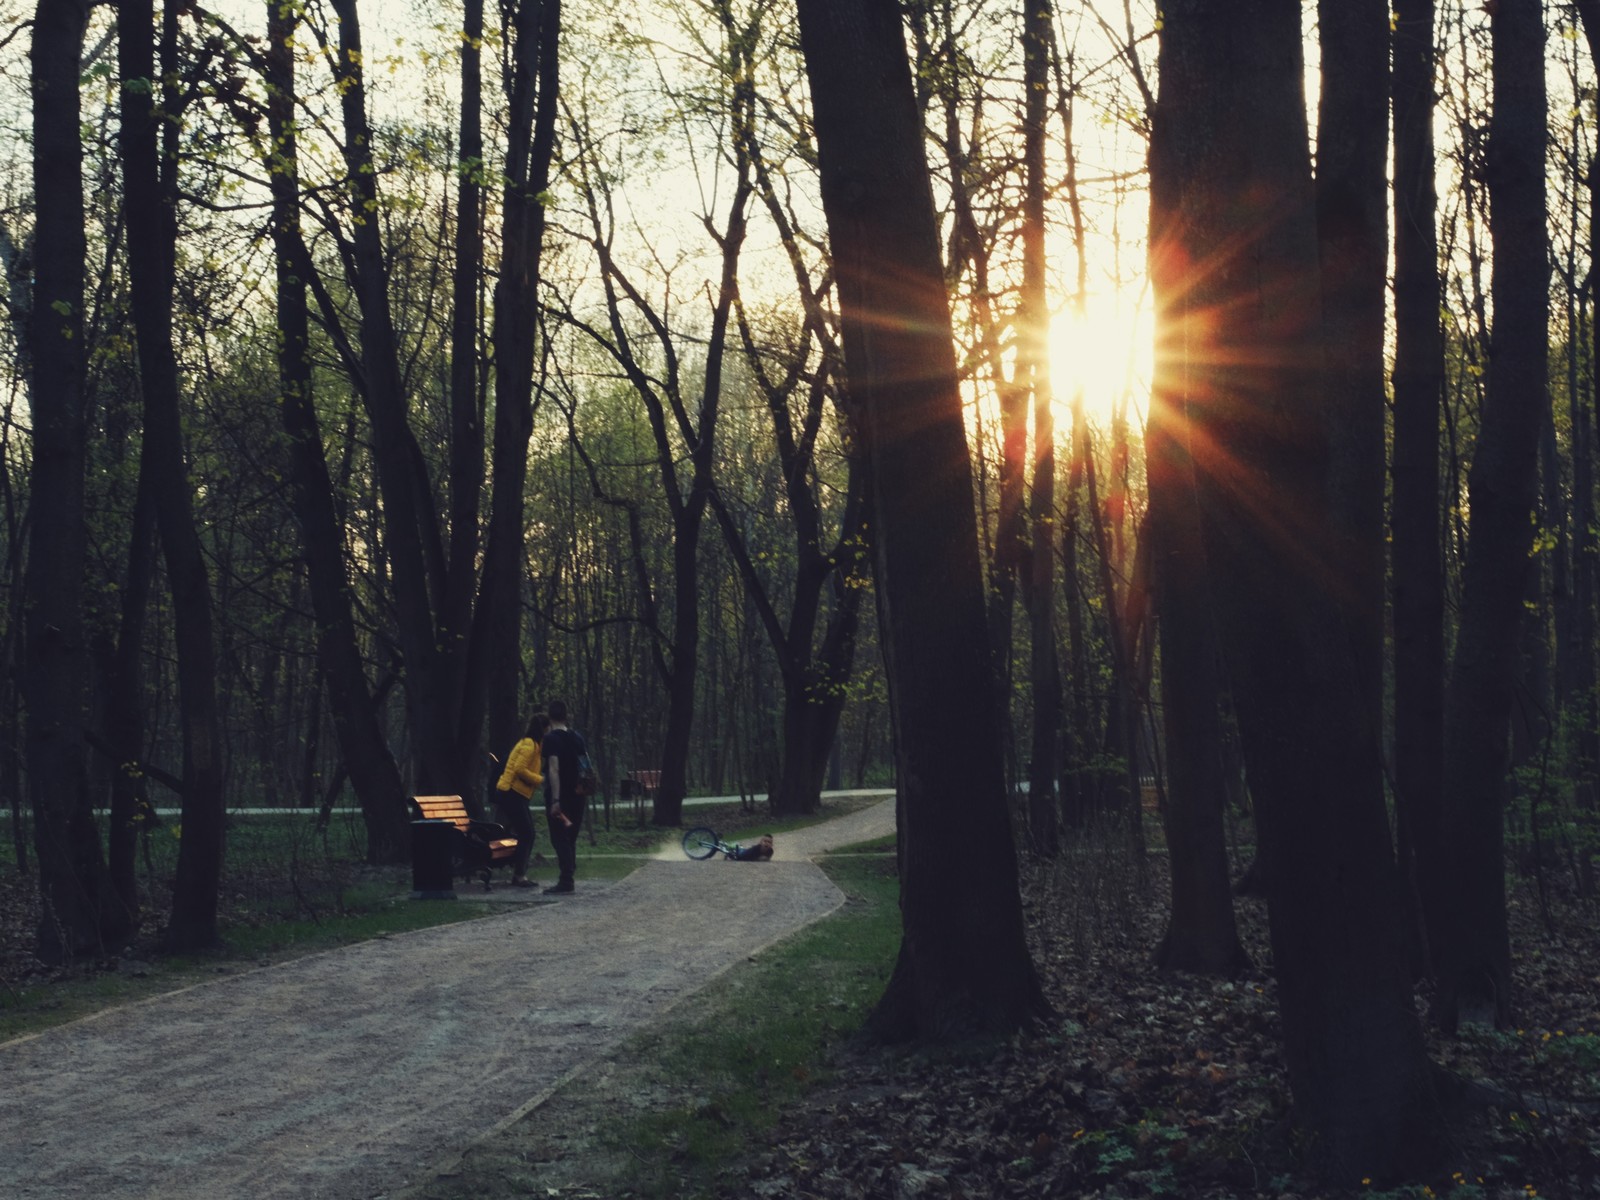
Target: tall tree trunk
<point>149,167</point>
<point>1039,594</point>
<point>1352,197</point>
<point>1584,686</point>
<point>1584,683</point>
<point>466,401</point>
<point>1201,934</point>
<point>1238,293</point>
<point>1418,555</point>
<point>373,772</point>
<point>964,964</point>
<point>79,912</point>
<point>498,639</point>
<point>1475,958</point>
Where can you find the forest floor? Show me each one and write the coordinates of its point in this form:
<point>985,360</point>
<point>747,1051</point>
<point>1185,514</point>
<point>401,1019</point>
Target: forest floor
<point>1155,1084</point>
<point>1148,1084</point>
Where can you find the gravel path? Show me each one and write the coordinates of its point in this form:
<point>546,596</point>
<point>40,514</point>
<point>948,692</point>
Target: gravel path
<point>345,1074</point>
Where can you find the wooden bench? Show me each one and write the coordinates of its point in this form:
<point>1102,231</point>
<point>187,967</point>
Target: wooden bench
<point>481,846</point>
<point>640,786</point>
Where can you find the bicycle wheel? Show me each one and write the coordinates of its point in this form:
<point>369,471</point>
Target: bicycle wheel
<point>700,842</point>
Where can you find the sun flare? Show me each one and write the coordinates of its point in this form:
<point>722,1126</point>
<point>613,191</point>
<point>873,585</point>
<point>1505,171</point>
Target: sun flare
<point>1106,351</point>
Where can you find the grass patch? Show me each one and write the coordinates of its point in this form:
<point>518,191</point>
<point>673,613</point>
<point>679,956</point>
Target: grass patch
<point>761,1036</point>
<point>670,1111</point>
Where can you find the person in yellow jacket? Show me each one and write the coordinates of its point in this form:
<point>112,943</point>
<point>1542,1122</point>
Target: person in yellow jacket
<point>523,776</point>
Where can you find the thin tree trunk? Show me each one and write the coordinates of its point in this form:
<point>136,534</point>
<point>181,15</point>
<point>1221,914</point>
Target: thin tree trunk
<point>1034,372</point>
<point>149,172</point>
<point>373,772</point>
<point>456,609</point>
<point>1077,789</point>
<point>125,703</point>
<point>1583,484</point>
<point>411,542</point>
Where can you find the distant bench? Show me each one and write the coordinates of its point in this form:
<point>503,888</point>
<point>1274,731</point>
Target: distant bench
<point>480,846</point>
<point>639,786</point>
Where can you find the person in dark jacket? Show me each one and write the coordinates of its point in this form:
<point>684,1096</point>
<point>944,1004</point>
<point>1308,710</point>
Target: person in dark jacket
<point>565,756</point>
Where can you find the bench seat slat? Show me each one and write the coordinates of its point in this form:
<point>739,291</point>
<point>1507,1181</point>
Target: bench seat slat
<point>490,850</point>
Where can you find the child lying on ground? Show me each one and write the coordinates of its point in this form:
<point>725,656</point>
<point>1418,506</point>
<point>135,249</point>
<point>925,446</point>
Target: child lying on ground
<point>761,851</point>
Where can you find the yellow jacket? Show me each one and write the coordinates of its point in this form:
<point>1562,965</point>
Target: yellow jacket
<point>524,772</point>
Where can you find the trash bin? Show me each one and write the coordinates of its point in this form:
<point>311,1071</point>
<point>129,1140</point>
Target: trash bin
<point>432,846</point>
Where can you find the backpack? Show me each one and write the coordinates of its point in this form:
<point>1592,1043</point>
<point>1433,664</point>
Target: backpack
<point>588,777</point>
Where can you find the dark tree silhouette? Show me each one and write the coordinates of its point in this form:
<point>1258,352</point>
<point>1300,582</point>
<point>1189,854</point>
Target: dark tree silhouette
<point>963,966</point>
<point>1418,568</point>
<point>497,632</point>
<point>149,167</point>
<point>374,774</point>
<point>1475,951</point>
<point>79,912</point>
<point>1239,297</point>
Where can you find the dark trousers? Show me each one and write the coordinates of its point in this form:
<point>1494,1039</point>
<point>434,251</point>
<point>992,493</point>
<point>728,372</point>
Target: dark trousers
<point>516,816</point>
<point>564,838</point>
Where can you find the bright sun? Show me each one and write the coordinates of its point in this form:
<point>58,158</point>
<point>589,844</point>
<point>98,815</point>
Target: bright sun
<point>1107,351</point>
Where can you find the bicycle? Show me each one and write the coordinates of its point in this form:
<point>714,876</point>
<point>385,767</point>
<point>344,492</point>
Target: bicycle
<point>702,842</point>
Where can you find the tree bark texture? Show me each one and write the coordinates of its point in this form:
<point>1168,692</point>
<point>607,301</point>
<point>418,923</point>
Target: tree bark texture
<point>1583,407</point>
<point>1039,568</point>
<point>466,396</point>
<point>1201,935</point>
<point>964,966</point>
<point>149,168</point>
<point>1239,301</point>
<point>79,910</point>
<point>1475,958</point>
<point>1418,552</point>
<point>1352,198</point>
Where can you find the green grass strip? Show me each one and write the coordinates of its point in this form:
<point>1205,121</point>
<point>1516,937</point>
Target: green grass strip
<point>754,1040</point>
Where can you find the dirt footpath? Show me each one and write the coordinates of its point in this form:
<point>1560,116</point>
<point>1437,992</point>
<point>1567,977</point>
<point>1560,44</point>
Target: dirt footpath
<point>345,1074</point>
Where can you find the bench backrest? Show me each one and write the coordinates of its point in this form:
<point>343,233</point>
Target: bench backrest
<point>442,808</point>
<point>649,780</point>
